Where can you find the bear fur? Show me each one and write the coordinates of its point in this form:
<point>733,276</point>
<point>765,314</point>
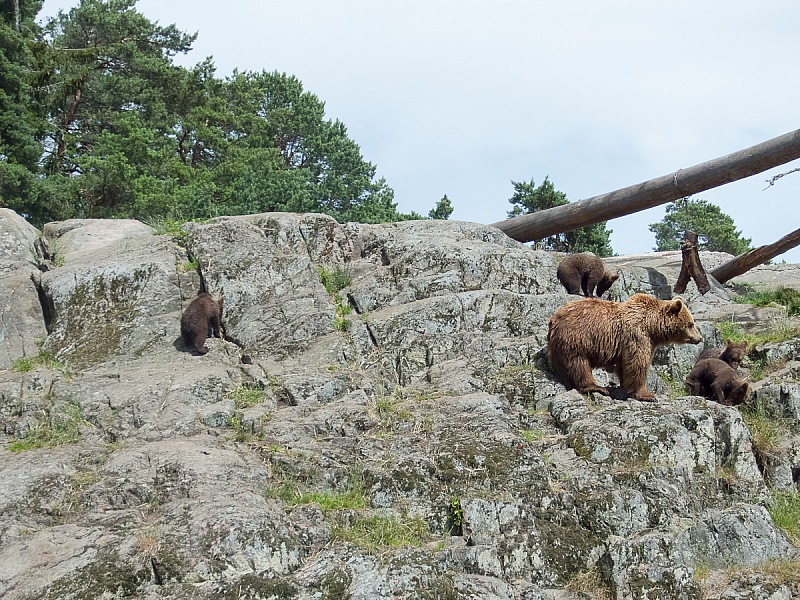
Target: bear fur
<point>715,379</point>
<point>619,337</point>
<point>581,273</point>
<point>733,353</point>
<point>201,319</point>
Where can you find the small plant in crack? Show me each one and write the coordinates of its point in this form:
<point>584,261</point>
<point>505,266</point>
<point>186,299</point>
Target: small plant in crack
<point>335,280</point>
<point>455,516</point>
<point>247,395</point>
<point>191,265</point>
<point>247,430</point>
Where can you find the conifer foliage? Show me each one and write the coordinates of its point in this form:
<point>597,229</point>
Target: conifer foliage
<point>97,120</point>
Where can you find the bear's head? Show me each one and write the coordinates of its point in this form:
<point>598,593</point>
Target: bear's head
<point>677,323</point>
<point>605,283</point>
<point>734,352</point>
<point>739,393</point>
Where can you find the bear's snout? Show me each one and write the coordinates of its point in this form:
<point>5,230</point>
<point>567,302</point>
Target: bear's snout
<point>694,337</point>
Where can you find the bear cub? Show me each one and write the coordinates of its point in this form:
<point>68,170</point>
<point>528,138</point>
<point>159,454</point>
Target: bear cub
<point>733,353</point>
<point>581,273</point>
<point>619,337</point>
<point>717,380</point>
<point>201,319</point>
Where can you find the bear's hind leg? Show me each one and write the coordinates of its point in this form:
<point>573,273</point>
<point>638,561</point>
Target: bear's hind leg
<point>573,286</point>
<point>582,379</point>
<point>590,283</point>
<point>215,327</point>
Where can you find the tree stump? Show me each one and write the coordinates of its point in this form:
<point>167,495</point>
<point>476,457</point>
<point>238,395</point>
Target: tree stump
<point>691,267</point>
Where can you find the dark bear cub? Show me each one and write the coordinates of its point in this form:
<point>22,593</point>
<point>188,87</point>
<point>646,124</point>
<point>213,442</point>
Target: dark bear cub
<point>733,353</point>
<point>201,319</point>
<point>581,273</point>
<point>717,380</point>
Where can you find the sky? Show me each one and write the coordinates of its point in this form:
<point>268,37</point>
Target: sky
<point>461,97</point>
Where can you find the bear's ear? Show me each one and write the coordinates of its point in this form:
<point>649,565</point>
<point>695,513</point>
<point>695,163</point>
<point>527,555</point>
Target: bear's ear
<point>676,305</point>
<point>614,277</point>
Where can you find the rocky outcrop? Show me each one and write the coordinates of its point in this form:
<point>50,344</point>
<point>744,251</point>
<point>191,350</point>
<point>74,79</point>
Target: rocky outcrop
<point>378,420</point>
<point>22,324</point>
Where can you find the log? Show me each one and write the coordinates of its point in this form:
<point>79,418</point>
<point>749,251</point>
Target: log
<point>691,267</point>
<point>757,256</point>
<point>680,184</point>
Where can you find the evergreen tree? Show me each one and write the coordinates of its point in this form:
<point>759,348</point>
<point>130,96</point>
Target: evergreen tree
<point>716,230</point>
<point>442,210</point>
<point>107,108</point>
<point>117,130</point>
<point>19,122</point>
<point>528,198</point>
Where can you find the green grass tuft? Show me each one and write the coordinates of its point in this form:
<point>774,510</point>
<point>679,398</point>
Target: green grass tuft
<point>246,395</point>
<point>23,365</point>
<point>335,280</point>
<point>783,296</point>
<point>352,498</point>
<point>768,432</point>
<point>785,512</point>
<point>43,359</point>
<point>62,428</point>
<point>376,533</point>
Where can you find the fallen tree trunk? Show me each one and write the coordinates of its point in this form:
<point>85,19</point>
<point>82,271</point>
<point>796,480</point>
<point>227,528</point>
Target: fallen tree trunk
<point>753,258</point>
<point>681,183</point>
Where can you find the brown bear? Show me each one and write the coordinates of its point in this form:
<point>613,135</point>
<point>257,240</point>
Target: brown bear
<point>202,318</point>
<point>717,380</point>
<point>619,337</point>
<point>581,273</point>
<point>733,353</point>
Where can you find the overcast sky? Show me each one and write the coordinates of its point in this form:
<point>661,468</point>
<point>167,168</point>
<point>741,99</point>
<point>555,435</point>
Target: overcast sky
<point>461,97</point>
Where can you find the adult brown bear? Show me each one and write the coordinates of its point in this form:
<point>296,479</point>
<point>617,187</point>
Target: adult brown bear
<point>619,337</point>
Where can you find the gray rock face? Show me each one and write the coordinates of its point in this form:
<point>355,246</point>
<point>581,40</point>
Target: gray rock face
<point>22,324</point>
<point>394,434</point>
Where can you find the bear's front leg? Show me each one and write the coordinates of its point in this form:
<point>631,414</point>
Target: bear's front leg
<point>643,395</point>
<point>718,394</point>
<point>632,373</point>
<point>595,388</point>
